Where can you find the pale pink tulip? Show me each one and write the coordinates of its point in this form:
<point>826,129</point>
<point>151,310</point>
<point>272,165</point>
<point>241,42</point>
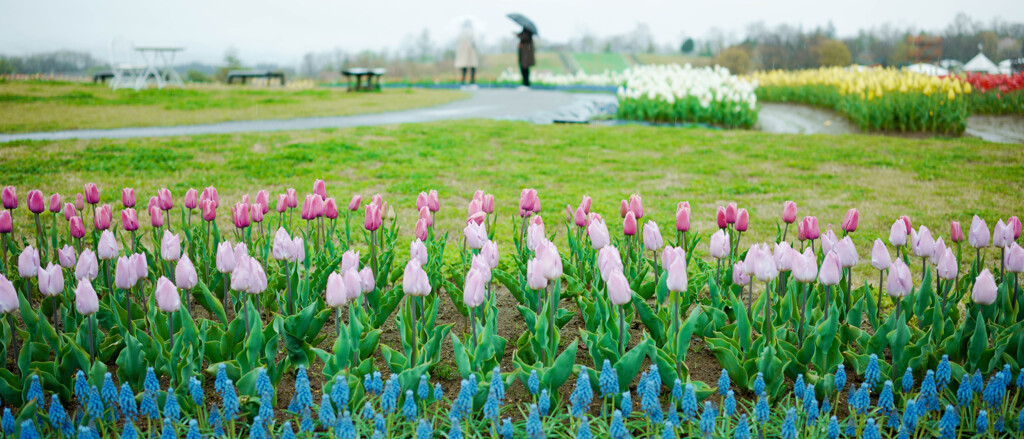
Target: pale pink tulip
<point>880,258</point>
<point>167,298</point>
<point>88,267</point>
<point>985,289</point>
<point>86,300</point>
<point>28,262</point>
<point>900,284</point>
<point>185,276</point>
<point>978,235</point>
<point>652,237</point>
<point>51,280</point>
<point>831,270</point>
<point>8,296</point>
<point>418,251</point>
<point>335,295</point>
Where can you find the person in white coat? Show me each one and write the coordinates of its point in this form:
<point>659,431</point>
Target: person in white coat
<point>466,58</point>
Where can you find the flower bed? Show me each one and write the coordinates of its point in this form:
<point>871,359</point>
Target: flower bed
<point>673,94</point>
<point>875,99</point>
<point>996,94</point>
<point>176,304</point>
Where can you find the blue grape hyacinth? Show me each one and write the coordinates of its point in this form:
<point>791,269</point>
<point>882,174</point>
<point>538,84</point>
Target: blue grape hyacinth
<point>617,430</point>
<point>910,416</point>
<point>172,410</point>
<point>840,377</point>
<point>7,422</point>
<point>423,430</point>
<point>193,430</point>
<point>389,399</point>
<point>150,383</point>
<point>798,387</point>
<point>220,383</point>
<point>964,393</point>
<point>871,430</point>
<point>626,404</point>
<point>833,428</point>
<point>409,407</point>
<point>886,398</point>
<point>148,407</point>
<point>584,430</point>
<point>730,404</point>
<point>438,392</point>
<point>81,387</point>
<point>742,428</point>
<point>303,393</point>
<point>707,420</point>
<point>761,409</point>
<point>368,412</point>
<point>195,390</point>
<point>286,430</point>
<point>263,385</point>
<point>534,428</point>
<point>929,399</point>
<point>28,430</point>
<point>977,382</point>
<point>35,392</point>
<point>872,372</point>
<point>544,403</point>
<point>948,424</point>
<point>689,402</point>
<point>943,373</point>
<point>127,402</point>
<point>491,405</point>
<point>506,428</point>
<point>326,413</point>
<point>59,418</point>
<point>788,430</point>
<point>230,399</point>
<point>499,386</point>
<point>129,431</point>
<point>759,383</point>
<point>340,392</point>
<point>608,380</point>
<point>455,429</point>
<point>677,392</point>
<point>583,394</point>
<point>423,389</point>
<point>723,382</point>
<point>533,383</point>
<point>908,380</point>
<point>981,422</point>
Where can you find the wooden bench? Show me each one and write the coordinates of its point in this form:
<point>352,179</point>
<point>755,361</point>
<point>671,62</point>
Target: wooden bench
<point>244,75</point>
<point>102,77</point>
<point>372,77</point>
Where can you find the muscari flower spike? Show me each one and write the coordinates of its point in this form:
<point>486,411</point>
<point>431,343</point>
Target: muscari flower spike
<point>409,407</point>
<point>810,405</point>
<point>35,392</point>
<point>707,420</point>
<point>423,390</point>
<point>673,416</point>
<point>981,422</point>
<point>491,405</point>
<point>840,377</point>
<point>7,422</point>
<point>759,383</point>
<point>168,431</point>
<point>506,428</point>
<point>942,373</point>
<point>798,387</point>
<point>81,386</point>
<point>584,431</point>
<point>129,431</point>
<point>340,391</point>
<point>851,427</point>
<point>871,430</point>
<point>872,373</point>
<point>389,399</point>
<point>582,395</point>
<point>723,382</point>
<point>833,428</point>
<point>193,430</point>
<point>367,384</point>
<point>345,429</point>
<point>59,418</point>
<point>929,399</point>
<point>266,409</point>
<point>455,429</point>
<point>908,380</point>
<point>608,380</point>
<point>533,383</point>
<point>1020,379</point>
<point>288,432</point>
<point>263,386</point>
<point>109,390</point>
<point>148,407</point>
<point>626,404</point>
<point>689,403</point>
<point>677,391</point>
<point>861,399</point>
<point>544,403</point>
<point>668,431</point>
<point>977,382</point>
<point>472,386</point>
<point>885,399</point>
<point>28,430</point>
<point>1020,421</point>
<point>220,383</point>
<point>964,394</point>
<point>216,421</point>
<point>127,402</point>
<point>171,408</point>
<point>534,428</point>
<point>230,399</point>
<point>195,390</point>
<point>256,429</point>
<point>949,423</point>
<point>326,413</point>
<point>150,383</point>
<point>730,404</point>
<point>499,386</point>
<point>761,409</point>
<point>742,428</point>
<point>438,392</point>
<point>617,430</point>
<point>303,393</point>
<point>306,424</point>
<point>788,430</point>
<point>423,430</point>
<point>654,378</point>
<point>378,384</point>
<point>910,416</point>
<point>825,406</point>
<point>380,425</point>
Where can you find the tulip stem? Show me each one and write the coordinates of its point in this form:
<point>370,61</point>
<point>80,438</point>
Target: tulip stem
<point>656,271</point>
<point>226,298</point>
<point>767,310</point>
<point>106,269</point>
<point>40,241</point>
<point>878,307</point>
<point>128,306</point>
<point>849,283</point>
<point>803,309</point>
<point>3,251</point>
<point>554,304</point>
<point>170,321</point>
<point>828,299</point>
<point>472,322</point>
<point>750,305</point>
<point>373,251</point>
<point>899,301</point>
<point>785,231</point>
<point>415,333</point>
<point>245,310</point>
<point>288,285</point>
<point>622,329</point>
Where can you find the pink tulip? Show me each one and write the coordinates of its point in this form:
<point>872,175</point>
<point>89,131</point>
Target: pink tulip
<point>529,202</point>
<point>810,227</point>
<point>789,212</point>
<point>257,279</point>
<point>6,222</point>
<point>92,193</point>
<point>922,243</point>
<point>906,223</point>
<point>353,205</point>
<point>783,256</point>
<point>210,193</point>
<point>209,210</point>
<point>377,200</point>
<point>67,257</point>
<point>880,256</point>
<point>240,215</point>
<point>51,280</point>
<point>719,245</point>
<point>739,277</point>
<point>373,218</point>
<point>129,220</point>
<point>353,284</point>
<point>28,262</point>
<point>155,217</point>
<point>534,275</point>
<point>366,280</point>
<point>414,280</point>
<point>683,216</point>
<point>88,267</point>
<point>86,300</point>
<point>847,252</point>
<point>956,234</point>
<point>720,217</point>
<point>79,201</point>
<point>10,197</point>
<point>154,203</point>
<point>598,234</point>
<point>421,230</point>
<point>170,247</point>
<point>421,201</point>
<point>106,249</point>
<point>477,218</point>
<point>831,270</point>
<point>623,208</point>
<point>475,235</point>
<point>1014,259</point>
<point>225,257</point>
<point>54,203</point>
<point>550,261</point>
<point>282,203</point>
<point>580,217</point>
<point>900,283</point>
<point>427,217</point>
<point>608,261</point>
<point>257,213</point>
<point>765,269</point>
<point>586,204</point>
<point>164,199</point>
<point>488,204</point>
<point>731,213</point>
<point>629,224</point>
<point>283,245</point>
<point>937,252</point>
<point>418,252</point>
<point>570,213</point>
<point>535,235</point>
<point>8,296</point>
<point>77,227</point>
<point>242,275</point>
<point>140,266</point>
<point>1002,235</point>
<point>35,201</point>
<point>490,254</point>
<point>898,234</point>
<point>433,202</point>
<point>742,220</point>
<point>124,274</point>
<point>652,237</point>
<point>128,197</point>
<point>263,199</point>
<point>1014,224</point>
<point>473,291</point>
<point>167,298</point>
<point>320,188</point>
<point>619,292</point>
<point>293,198</point>
<point>191,199</point>
<point>948,266</point>
<point>805,266</point>
<point>104,216</point>
<point>334,294</point>
<point>317,208</point>
<point>636,206</point>
<point>985,289</point>
<point>475,206</point>
<point>300,250</point>
<point>676,281</point>
<point>850,221</point>
<point>69,211</point>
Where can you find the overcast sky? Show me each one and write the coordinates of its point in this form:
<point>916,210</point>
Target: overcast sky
<point>282,31</point>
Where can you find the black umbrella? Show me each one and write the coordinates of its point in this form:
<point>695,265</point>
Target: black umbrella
<point>524,22</point>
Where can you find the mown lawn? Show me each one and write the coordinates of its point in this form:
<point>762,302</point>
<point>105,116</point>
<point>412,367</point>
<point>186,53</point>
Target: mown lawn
<point>932,181</point>
<point>48,106</point>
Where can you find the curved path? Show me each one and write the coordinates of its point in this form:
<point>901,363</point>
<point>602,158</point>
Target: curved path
<point>537,106</point>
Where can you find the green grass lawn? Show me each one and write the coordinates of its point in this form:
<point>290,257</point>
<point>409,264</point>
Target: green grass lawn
<point>39,106</point>
<point>931,180</point>
<point>594,63</point>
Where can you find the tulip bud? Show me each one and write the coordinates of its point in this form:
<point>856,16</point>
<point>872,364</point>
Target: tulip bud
<point>652,237</point>
<point>88,267</point>
<point>6,222</point>
<point>488,204</point>
<point>1002,235</point>
<point>906,223</point>
<point>475,235</point>
<point>331,208</point>
<point>8,296</point>
<point>140,266</point>
<point>789,212</point>
<point>353,284</point>
<point>428,218</point>
<point>898,234</point>
<point>106,249</point>
<point>164,199</point>
<point>880,256</point>
<point>54,203</point>
<point>414,280</point>
<point>489,252</point>
<point>948,266</point>
<point>1014,259</point>
<point>550,261</point>
<point>79,201</point>
<point>51,280</point>
<point>636,206</point>
<point>191,199</point>
<point>683,216</point>
<point>1014,225</point>
<point>35,201</point>
<point>418,252</point>
<point>742,220</point>
<point>784,255</point>
<point>475,286</point>
<point>534,276</point>
<point>580,217</point>
<point>170,247</point>
<point>899,284</point>
<point>104,216</point>
<point>598,234</point>
<point>922,243</point>
<point>293,198</point>
<point>282,203</point>
<point>608,261</point>
<point>720,217</point>
<point>77,227</point>
<point>366,280</point>
<point>831,270</point>
<point>92,193</point>
<point>185,276</point>
<point>129,220</point>
<point>128,197</point>
<point>209,210</point>
<point>805,266</point>
<point>69,211</point>
<point>353,205</point>
<point>28,262</point>
<point>433,202</point>
<point>956,234</point>
<point>421,201</point>
<point>210,193</point>
<point>810,227</point>
<point>619,292</point>
<point>124,274</point>
<point>86,301</point>
<point>67,257</point>
<point>719,245</point>
<point>283,249</point>
<point>529,202</point>
<point>167,298</point>
<point>373,218</point>
<point>985,289</point>
<point>10,197</point>
<point>240,215</point>
<point>937,252</point>
<point>847,252</point>
<point>850,221</point>
<point>739,277</point>
<point>334,294</point>
<point>676,281</point>
<point>257,213</point>
<point>225,257</point>
<point>623,208</point>
<point>731,213</point>
<point>629,224</point>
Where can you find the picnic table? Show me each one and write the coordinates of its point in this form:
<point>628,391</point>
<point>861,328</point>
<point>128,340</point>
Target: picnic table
<point>160,65</point>
<point>372,77</point>
<point>244,75</point>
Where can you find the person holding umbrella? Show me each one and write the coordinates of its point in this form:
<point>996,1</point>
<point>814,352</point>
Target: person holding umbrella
<point>465,53</point>
<point>525,45</point>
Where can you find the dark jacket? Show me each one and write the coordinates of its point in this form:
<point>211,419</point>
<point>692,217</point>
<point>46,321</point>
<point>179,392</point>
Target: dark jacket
<point>526,49</point>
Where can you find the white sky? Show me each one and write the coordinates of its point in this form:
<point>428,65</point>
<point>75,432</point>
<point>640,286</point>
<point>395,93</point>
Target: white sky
<point>282,31</point>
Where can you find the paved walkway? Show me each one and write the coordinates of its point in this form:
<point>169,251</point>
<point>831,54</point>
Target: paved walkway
<point>537,106</point>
